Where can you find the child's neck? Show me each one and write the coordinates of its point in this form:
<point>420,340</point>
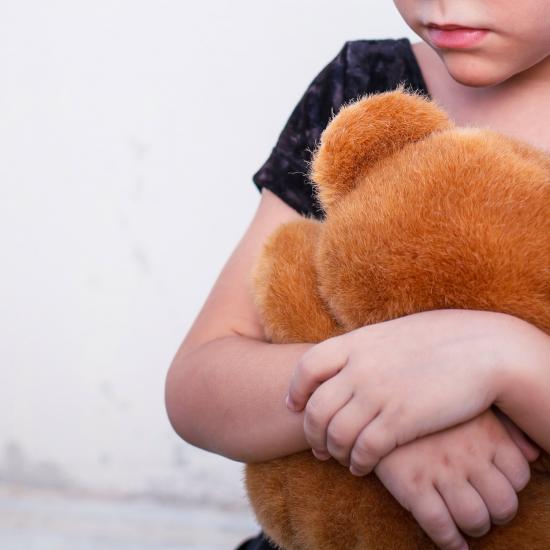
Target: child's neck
<point>519,107</point>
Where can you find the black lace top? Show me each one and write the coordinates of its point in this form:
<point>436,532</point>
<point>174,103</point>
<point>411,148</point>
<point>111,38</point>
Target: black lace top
<point>361,67</point>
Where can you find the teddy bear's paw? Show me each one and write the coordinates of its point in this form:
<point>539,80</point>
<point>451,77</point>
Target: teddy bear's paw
<point>367,131</point>
<point>285,284</point>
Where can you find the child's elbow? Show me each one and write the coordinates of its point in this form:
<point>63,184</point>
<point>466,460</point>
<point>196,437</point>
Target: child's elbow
<point>191,422</point>
<point>178,403</point>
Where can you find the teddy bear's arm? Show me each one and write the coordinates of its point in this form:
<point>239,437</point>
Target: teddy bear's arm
<point>285,286</point>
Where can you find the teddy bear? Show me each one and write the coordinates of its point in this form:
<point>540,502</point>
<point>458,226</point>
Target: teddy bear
<point>419,215</point>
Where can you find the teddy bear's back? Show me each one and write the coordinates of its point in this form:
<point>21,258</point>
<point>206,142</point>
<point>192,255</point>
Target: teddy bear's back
<point>458,220</point>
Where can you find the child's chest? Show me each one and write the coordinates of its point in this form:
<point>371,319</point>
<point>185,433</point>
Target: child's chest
<point>523,120</point>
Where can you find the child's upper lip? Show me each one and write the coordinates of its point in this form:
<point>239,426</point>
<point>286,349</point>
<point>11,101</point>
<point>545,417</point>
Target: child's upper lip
<point>452,27</point>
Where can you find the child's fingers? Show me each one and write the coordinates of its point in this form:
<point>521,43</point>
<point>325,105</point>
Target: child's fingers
<point>344,428</point>
<point>529,449</point>
<point>372,444</point>
<point>317,365</point>
<point>431,513</point>
<point>497,493</point>
<point>511,462</point>
<point>466,506</point>
<point>325,402</point>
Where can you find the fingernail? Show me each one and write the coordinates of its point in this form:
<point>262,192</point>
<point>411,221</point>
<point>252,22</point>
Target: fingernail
<point>320,455</point>
<point>354,471</point>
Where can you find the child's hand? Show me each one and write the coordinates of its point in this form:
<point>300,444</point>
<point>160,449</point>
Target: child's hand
<point>462,477</point>
<point>383,385</point>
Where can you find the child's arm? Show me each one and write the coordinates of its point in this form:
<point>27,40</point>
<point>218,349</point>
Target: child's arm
<point>525,387</point>
<point>384,385</point>
<point>225,387</point>
<point>461,478</point>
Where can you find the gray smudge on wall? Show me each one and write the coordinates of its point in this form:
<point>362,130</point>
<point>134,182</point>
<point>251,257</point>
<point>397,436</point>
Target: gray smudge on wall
<point>16,468</point>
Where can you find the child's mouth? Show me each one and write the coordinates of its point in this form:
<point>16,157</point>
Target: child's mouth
<point>455,36</point>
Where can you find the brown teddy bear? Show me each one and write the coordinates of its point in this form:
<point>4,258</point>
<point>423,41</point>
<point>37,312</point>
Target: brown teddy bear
<point>420,215</point>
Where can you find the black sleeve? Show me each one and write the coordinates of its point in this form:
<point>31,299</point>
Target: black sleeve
<point>285,172</point>
<point>361,67</point>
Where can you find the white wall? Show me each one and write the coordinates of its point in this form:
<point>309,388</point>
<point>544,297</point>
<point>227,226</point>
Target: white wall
<point>129,132</point>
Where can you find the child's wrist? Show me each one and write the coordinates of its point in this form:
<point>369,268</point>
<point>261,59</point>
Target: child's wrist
<point>504,341</point>
<point>522,362</point>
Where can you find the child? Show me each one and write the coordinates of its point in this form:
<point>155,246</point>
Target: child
<point>488,64</point>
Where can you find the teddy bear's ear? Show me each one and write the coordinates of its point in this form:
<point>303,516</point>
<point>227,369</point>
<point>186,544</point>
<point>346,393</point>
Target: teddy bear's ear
<point>367,131</point>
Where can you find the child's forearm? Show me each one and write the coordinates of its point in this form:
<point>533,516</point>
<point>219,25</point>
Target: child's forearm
<point>228,396</point>
<point>524,392</point>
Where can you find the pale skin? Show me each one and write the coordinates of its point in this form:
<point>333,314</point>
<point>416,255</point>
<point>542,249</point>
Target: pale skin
<point>363,399</point>
<point>225,376</point>
<point>360,405</point>
<point>461,478</point>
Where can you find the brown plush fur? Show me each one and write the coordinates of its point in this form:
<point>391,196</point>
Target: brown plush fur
<point>421,215</point>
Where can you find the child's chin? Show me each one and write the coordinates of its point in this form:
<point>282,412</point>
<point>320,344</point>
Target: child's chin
<point>468,70</point>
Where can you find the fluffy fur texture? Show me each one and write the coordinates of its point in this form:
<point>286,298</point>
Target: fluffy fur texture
<point>421,215</point>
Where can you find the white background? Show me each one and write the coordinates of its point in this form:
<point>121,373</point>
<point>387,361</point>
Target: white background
<point>129,132</point>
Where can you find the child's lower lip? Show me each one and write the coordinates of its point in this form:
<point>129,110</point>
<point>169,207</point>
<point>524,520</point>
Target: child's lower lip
<point>456,38</point>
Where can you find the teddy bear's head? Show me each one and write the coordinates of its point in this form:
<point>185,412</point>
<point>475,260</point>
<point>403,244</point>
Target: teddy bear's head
<point>421,214</point>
